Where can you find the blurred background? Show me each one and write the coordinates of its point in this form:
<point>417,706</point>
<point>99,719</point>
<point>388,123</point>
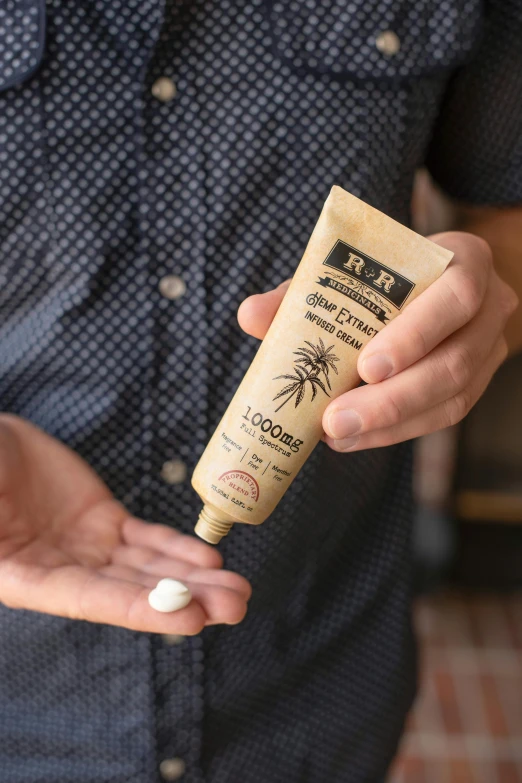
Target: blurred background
<point>466,725</point>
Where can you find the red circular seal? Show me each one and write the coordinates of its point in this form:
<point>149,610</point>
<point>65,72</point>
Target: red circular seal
<point>243,483</point>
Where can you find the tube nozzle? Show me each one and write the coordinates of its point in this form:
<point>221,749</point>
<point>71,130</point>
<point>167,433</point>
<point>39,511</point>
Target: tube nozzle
<point>211,526</point>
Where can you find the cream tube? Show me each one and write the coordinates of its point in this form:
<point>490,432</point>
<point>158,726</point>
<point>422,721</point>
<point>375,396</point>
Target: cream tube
<point>360,270</point>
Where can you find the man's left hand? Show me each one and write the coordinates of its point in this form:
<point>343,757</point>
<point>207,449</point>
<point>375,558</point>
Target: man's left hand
<point>430,365</point>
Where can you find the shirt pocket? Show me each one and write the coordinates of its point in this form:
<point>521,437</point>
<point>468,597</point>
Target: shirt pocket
<point>22,40</point>
<point>374,39</point>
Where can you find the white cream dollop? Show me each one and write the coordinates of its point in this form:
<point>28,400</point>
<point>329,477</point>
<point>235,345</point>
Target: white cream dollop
<point>169,595</point>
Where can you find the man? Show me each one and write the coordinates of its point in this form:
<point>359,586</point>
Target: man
<point>161,162</point>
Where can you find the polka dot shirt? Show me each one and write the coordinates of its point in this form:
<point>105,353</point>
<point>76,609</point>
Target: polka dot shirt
<point>159,162</point>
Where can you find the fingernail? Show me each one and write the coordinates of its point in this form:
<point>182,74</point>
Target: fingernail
<point>169,595</point>
<point>345,444</point>
<point>343,424</point>
<point>376,368</point>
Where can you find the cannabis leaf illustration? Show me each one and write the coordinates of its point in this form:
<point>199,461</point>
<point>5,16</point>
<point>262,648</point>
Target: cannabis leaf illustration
<point>315,360</point>
<point>319,357</point>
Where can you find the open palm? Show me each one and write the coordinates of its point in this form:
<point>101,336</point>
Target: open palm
<point>68,548</point>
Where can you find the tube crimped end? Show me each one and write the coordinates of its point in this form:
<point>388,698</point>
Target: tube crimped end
<point>210,527</point>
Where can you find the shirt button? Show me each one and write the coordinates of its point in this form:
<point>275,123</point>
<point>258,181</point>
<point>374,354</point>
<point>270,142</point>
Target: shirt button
<point>174,471</point>
<point>172,639</point>
<point>172,769</point>
<point>172,287</point>
<point>164,89</point>
<point>388,42</point>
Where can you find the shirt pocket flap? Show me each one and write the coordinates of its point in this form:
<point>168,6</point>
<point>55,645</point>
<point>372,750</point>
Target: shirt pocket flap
<point>365,39</point>
<point>22,40</point>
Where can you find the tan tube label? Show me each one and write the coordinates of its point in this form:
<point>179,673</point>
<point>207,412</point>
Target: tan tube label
<point>359,271</point>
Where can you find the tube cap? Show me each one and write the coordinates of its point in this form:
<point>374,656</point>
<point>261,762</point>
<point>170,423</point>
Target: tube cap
<point>210,527</point>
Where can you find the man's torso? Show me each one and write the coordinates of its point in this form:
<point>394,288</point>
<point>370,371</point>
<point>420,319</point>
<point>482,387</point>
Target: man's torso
<point>105,190</point>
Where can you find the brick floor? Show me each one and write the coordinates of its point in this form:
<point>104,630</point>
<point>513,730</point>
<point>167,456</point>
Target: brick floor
<point>466,725</point>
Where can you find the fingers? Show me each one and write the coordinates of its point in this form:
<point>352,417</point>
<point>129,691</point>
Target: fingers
<point>447,370</point>
<point>256,313</point>
<point>226,579</point>
<point>223,603</point>
<point>170,543</point>
<point>445,414</point>
<point>222,594</point>
<point>118,595</point>
<point>149,563</point>
<point>447,305</point>
<point>87,594</point>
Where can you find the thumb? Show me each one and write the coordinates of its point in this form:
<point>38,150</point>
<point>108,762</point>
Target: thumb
<point>257,312</point>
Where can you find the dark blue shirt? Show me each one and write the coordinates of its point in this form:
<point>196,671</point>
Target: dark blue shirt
<point>159,162</point>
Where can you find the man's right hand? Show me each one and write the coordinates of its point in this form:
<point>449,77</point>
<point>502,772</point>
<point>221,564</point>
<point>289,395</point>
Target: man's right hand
<point>68,548</point>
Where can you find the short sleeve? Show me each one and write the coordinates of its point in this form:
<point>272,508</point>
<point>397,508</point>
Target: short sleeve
<point>475,153</point>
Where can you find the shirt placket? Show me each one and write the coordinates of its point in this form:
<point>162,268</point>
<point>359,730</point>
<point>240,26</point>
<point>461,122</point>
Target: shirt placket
<point>172,227</point>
